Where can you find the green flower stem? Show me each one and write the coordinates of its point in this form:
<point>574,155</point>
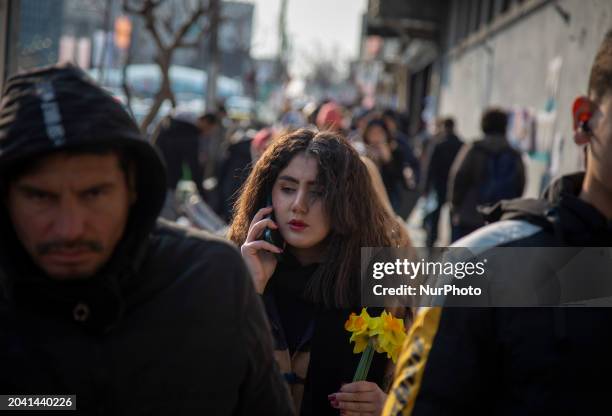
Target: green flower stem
<point>364,363</point>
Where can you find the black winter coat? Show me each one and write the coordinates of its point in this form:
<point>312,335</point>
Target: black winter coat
<point>170,325</point>
<point>185,334</point>
<point>515,361</point>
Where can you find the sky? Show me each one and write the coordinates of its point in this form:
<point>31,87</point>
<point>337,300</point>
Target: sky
<point>330,27</point>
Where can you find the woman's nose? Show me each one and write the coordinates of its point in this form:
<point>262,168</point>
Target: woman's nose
<point>300,203</point>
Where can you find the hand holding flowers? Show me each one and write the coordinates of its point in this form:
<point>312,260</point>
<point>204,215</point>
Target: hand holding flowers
<point>383,334</point>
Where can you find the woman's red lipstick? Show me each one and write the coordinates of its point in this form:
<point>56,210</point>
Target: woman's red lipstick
<point>296,225</point>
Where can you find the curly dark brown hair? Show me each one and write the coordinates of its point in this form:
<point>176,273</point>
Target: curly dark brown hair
<point>357,217</point>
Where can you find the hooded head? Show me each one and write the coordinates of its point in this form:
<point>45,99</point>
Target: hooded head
<point>69,155</point>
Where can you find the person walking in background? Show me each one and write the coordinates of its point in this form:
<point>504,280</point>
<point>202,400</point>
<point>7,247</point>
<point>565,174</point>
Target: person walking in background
<point>385,152</point>
<point>178,140</point>
<point>436,169</point>
<point>313,194</point>
<point>484,173</point>
<point>412,167</point>
<point>212,135</point>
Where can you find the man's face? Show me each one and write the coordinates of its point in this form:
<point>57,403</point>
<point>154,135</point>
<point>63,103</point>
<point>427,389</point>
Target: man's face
<point>70,211</point>
<point>600,149</point>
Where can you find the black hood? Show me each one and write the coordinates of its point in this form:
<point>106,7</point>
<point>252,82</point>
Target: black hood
<point>60,108</point>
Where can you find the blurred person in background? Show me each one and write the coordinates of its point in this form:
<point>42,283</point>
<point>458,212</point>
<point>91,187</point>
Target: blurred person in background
<point>233,169</point>
<point>178,139</point>
<point>411,163</point>
<point>436,170</point>
<point>212,133</point>
<point>484,173</point>
<point>359,122</point>
<point>384,151</point>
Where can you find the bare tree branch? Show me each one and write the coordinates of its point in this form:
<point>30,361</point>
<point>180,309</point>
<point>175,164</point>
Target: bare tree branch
<point>168,23</point>
<point>198,41</point>
<point>165,51</point>
<point>149,7</point>
<point>182,31</point>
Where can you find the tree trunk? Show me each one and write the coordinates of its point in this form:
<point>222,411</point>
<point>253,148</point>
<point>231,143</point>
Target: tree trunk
<point>164,93</point>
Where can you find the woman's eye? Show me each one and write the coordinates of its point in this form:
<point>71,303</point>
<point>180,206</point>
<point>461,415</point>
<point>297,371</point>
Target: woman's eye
<point>287,190</point>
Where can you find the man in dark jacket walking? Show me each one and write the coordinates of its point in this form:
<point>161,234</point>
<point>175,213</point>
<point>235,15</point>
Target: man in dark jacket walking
<point>511,361</point>
<point>442,154</point>
<point>98,300</point>
<point>484,173</point>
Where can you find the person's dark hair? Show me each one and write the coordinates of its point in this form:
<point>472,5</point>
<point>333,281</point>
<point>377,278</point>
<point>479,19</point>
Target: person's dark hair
<point>210,118</point>
<point>358,115</point>
<point>494,121</point>
<point>449,124</point>
<point>377,122</point>
<point>600,80</point>
<point>357,216</point>
<point>391,113</point>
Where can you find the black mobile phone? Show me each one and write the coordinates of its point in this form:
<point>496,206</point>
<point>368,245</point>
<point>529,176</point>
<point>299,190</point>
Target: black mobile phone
<point>270,235</point>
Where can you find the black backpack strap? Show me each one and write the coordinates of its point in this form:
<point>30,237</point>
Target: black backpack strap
<point>536,211</point>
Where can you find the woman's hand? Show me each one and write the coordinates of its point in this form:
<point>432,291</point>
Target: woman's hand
<point>379,152</point>
<point>258,254</point>
<point>385,152</point>
<point>359,398</point>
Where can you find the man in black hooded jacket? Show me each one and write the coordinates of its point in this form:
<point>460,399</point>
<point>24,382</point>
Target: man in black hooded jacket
<point>97,298</point>
<point>540,360</point>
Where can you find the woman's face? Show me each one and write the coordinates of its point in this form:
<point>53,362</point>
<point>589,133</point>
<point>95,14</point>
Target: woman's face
<point>376,136</point>
<point>299,208</point>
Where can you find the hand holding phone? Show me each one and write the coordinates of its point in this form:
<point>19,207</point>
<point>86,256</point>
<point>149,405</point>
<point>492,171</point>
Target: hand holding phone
<point>262,249</point>
<point>273,236</point>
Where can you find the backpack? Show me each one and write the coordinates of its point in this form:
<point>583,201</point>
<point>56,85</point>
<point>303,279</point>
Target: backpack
<point>500,175</point>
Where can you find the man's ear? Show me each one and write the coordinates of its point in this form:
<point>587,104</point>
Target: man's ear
<point>582,111</point>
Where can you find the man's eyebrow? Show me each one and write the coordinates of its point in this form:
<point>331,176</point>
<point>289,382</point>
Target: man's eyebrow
<point>293,180</point>
<point>27,188</point>
<point>99,185</point>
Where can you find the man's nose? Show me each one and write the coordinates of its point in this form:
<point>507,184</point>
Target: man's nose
<point>70,220</point>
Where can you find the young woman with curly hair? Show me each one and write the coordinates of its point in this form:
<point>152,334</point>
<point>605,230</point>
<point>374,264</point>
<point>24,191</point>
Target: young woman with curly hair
<point>325,209</point>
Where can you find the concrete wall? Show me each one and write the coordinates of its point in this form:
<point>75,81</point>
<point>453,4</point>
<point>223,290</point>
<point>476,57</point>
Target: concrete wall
<point>510,68</point>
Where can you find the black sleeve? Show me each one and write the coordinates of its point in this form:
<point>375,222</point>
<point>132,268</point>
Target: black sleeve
<point>429,170</point>
<point>264,391</point>
<point>520,176</point>
<point>446,366</point>
<point>193,161</point>
<point>393,169</point>
<point>460,177</point>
